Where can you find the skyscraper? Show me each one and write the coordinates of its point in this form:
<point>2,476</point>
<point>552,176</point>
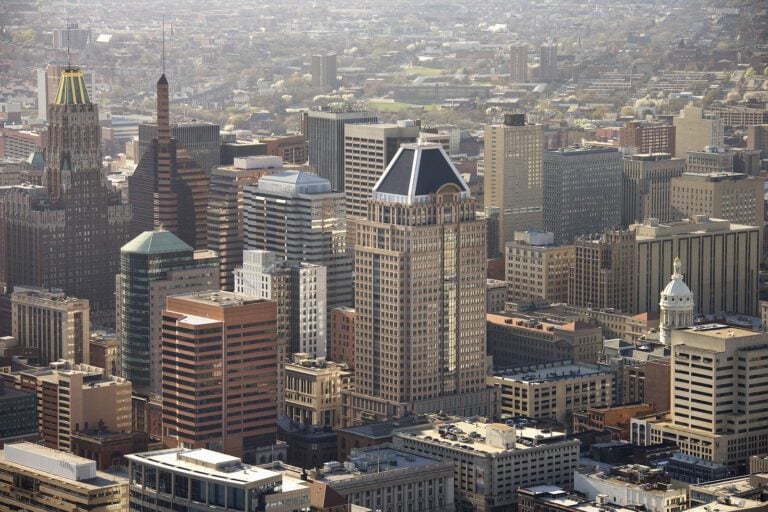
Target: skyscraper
<point>298,217</point>
<point>324,70</point>
<point>419,292</point>
<point>548,62</point>
<point>695,130</point>
<point>513,175</point>
<point>220,373</point>
<point>67,234</point>
<point>325,133</point>
<point>368,149</point>
<point>153,266</point>
<point>225,210</point>
<point>169,189</point>
<point>518,63</point>
<point>582,192</point>
<point>738,198</point>
<point>299,288</point>
<point>646,186</point>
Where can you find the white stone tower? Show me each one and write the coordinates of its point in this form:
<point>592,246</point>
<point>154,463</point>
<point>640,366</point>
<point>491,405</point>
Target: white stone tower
<point>676,305</point>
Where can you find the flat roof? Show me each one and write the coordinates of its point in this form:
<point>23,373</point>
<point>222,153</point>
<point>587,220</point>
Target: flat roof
<point>472,436</point>
<point>385,455</point>
<point>721,331</point>
<point>547,373</point>
<point>202,463</point>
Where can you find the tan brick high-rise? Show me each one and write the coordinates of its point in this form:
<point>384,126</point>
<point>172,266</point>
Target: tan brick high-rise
<point>419,292</point>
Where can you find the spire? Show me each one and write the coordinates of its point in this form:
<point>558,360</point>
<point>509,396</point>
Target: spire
<point>677,266</point>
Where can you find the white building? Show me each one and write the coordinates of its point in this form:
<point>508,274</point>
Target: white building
<point>300,290</point>
<point>492,460</point>
<point>182,479</point>
<point>657,497</point>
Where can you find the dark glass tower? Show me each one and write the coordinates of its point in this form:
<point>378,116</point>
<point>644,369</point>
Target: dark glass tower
<point>67,233</point>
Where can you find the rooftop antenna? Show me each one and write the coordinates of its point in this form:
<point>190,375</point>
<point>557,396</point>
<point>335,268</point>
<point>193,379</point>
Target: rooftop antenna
<point>69,60</point>
<point>163,44</point>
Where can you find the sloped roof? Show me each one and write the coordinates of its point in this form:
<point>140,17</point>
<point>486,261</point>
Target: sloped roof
<point>156,242</point>
<point>323,497</point>
<point>417,170</point>
<point>72,89</point>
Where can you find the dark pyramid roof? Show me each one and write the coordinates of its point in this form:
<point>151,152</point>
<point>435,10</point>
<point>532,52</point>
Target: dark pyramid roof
<point>72,89</point>
<point>163,80</point>
<point>418,170</point>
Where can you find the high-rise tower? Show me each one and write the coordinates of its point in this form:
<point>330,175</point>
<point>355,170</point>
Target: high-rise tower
<point>518,63</point>
<point>419,292</point>
<point>153,266</point>
<point>514,154</point>
<point>169,184</point>
<point>67,234</point>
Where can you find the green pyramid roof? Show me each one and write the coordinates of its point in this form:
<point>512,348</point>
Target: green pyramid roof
<point>156,242</point>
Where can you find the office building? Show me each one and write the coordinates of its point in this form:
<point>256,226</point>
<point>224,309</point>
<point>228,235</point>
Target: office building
<point>300,290</point>
<point>492,460</point>
<point>313,390</point>
<point>184,479</point>
<point>21,144</point>
<point>55,325</point>
<point>602,275</point>
<point>513,179</point>
<point>169,189</point>
<point>386,478</point>
<point>202,141</point>
<point>614,418</point>
<point>548,62</point>
<point>738,198</point>
<point>291,148</point>
<point>757,138</point>
<point>536,268</point>
<point>104,352</point>
<point>495,295</point>
<point>225,210</point>
<point>153,266</point>
<point>582,192</point>
<point>48,79</point>
<point>368,149</point>
<point>298,217</point>
<point>420,315</point>
<point>220,373</point>
<point>341,347</point>
<point>708,160</point>
<point>325,134</point>
<point>746,161</point>
<point>72,397</point>
<point>716,413</point>
<point>646,186</point>
<point>518,340</point>
<point>642,137</point>
<point>632,485</point>
<point>19,412</point>
<point>75,206</point>
<point>553,391</point>
<point>72,38</point>
<point>720,263</point>
<point>518,63</point>
<point>324,71</point>
<point>695,130</point>
<point>34,477</point>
